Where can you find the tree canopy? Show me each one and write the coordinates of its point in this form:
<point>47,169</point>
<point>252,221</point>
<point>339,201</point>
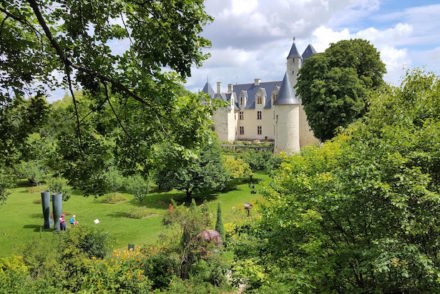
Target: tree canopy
<point>361,212</point>
<point>335,85</point>
<point>47,44</point>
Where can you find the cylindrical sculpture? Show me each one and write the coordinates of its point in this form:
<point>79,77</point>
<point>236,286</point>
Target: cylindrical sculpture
<point>45,202</point>
<point>57,208</point>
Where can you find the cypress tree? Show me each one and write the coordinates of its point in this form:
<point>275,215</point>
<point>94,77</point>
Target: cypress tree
<point>219,223</point>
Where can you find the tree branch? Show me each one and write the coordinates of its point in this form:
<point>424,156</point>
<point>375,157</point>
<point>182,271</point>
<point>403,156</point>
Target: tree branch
<point>68,64</point>
<point>113,110</point>
<point>78,128</point>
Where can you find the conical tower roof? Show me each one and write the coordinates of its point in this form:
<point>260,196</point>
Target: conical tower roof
<point>308,52</point>
<point>286,95</point>
<point>207,89</point>
<point>293,51</point>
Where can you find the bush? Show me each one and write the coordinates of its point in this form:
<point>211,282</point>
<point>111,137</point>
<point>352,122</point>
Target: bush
<point>5,183</point>
<point>212,270</point>
<point>83,240</point>
<point>13,275</point>
<point>140,213</point>
<point>34,171</point>
<point>160,269</point>
<point>114,180</point>
<point>59,185</point>
<point>114,198</point>
<point>237,168</point>
<point>137,186</point>
<point>122,273</point>
<point>257,160</point>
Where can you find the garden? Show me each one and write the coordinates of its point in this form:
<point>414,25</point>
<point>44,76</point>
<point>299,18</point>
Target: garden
<point>158,205</point>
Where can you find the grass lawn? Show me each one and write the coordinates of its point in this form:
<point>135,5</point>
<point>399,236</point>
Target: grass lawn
<point>21,218</point>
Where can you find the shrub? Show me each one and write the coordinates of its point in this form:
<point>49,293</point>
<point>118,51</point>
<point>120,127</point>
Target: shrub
<point>13,275</point>
<point>237,168</point>
<point>140,213</point>
<point>212,270</point>
<point>34,171</point>
<point>114,198</point>
<point>5,183</point>
<point>137,186</point>
<point>92,242</point>
<point>257,160</point>
<point>160,269</point>
<point>113,179</point>
<point>59,185</point>
<point>121,273</point>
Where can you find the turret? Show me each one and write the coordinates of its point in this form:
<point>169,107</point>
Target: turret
<point>294,62</point>
<point>286,122</point>
<point>207,89</point>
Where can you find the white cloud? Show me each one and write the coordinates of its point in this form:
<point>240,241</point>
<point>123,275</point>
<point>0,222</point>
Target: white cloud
<point>397,60</point>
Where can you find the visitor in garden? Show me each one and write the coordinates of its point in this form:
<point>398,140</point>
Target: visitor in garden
<point>62,223</point>
<point>73,221</point>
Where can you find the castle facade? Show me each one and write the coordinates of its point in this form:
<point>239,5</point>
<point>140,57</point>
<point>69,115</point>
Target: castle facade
<point>265,110</point>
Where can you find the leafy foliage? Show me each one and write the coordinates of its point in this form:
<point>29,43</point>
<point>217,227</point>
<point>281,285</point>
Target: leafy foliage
<point>137,186</point>
<point>335,85</point>
<point>219,223</point>
<point>193,171</point>
<point>237,168</point>
<point>257,160</point>
<point>361,212</point>
<point>18,120</point>
<point>5,183</point>
<point>58,185</point>
<point>191,221</point>
<point>34,171</point>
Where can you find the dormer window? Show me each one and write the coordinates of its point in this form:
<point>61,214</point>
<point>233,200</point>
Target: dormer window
<point>259,100</point>
<point>241,100</point>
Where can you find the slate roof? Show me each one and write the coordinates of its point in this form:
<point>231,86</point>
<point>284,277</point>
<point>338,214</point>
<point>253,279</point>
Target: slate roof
<point>293,52</point>
<point>250,91</point>
<point>308,52</point>
<point>286,95</point>
<point>207,89</point>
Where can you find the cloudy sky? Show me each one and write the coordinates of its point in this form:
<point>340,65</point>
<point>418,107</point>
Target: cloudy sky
<point>251,38</point>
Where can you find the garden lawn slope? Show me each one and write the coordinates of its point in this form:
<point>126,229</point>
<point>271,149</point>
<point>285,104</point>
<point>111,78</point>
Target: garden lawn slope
<point>127,222</point>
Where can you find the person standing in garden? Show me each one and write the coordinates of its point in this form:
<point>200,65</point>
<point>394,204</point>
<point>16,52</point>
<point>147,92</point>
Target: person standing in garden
<point>62,223</point>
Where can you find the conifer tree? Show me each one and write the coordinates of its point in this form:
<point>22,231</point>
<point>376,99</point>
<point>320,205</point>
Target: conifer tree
<point>219,223</point>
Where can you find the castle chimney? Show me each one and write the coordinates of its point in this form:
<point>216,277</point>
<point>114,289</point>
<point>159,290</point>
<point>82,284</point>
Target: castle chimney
<point>219,87</point>
<point>230,88</point>
<point>257,82</point>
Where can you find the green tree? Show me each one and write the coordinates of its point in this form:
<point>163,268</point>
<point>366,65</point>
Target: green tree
<point>193,171</point>
<point>39,38</point>
<point>360,213</point>
<point>219,223</point>
<point>335,85</point>
<point>18,120</point>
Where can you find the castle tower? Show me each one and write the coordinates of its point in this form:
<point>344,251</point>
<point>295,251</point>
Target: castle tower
<point>294,63</point>
<point>287,126</point>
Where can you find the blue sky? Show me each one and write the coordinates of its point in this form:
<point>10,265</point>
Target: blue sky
<point>251,38</point>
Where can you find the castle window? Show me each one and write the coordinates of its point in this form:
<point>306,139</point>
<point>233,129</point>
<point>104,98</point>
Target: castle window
<point>259,130</point>
<point>241,115</point>
<point>259,115</point>
<point>241,130</point>
<point>259,100</point>
<point>241,100</point>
